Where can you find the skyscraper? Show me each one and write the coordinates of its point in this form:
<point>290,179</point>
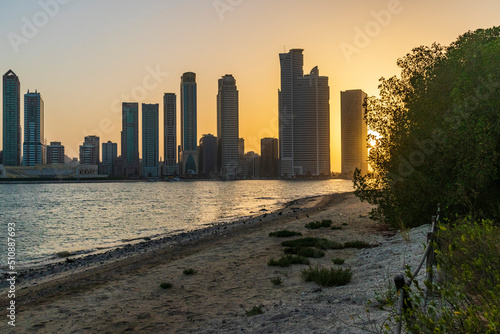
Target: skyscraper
<point>11,119</point>
<point>227,126</point>
<point>354,132</point>
<point>150,140</point>
<point>170,134</point>
<point>109,154</point>
<point>130,139</point>
<point>34,140</point>
<point>304,118</point>
<point>89,151</point>
<point>55,153</point>
<point>208,155</point>
<point>189,141</point>
<point>269,157</point>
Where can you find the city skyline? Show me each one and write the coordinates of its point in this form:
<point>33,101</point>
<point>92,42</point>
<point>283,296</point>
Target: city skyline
<point>85,93</point>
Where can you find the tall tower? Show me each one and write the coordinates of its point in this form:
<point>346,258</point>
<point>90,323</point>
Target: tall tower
<point>304,118</point>
<point>150,140</point>
<point>354,132</point>
<point>130,139</point>
<point>11,119</point>
<point>189,153</point>
<point>89,151</point>
<point>34,140</point>
<point>170,134</point>
<point>269,157</point>
<point>228,126</point>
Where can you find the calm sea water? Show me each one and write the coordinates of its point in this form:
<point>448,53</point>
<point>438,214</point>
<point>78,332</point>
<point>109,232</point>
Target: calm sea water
<point>82,217</point>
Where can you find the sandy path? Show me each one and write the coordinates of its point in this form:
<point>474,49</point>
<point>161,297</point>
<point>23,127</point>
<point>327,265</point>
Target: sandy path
<point>232,276</point>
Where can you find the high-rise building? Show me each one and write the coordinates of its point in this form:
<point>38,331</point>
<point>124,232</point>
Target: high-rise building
<point>55,153</point>
<point>89,151</point>
<point>109,155</point>
<point>150,140</point>
<point>250,165</point>
<point>354,132</point>
<point>208,155</point>
<point>189,141</point>
<point>241,148</point>
<point>11,119</point>
<point>269,157</point>
<point>170,134</point>
<point>34,140</point>
<point>130,140</point>
<point>304,118</point>
<point>227,126</point>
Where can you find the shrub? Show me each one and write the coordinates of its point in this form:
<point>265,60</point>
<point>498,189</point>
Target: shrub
<point>305,251</point>
<point>276,280</point>
<point>288,260</point>
<point>284,234</point>
<point>320,243</point>
<point>336,227</point>
<point>357,244</point>
<point>338,261</point>
<point>468,289</point>
<point>166,285</point>
<point>256,310</point>
<point>327,276</point>
<point>189,271</point>
<point>318,224</point>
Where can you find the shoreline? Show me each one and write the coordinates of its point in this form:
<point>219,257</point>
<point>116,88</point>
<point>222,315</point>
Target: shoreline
<point>74,263</point>
<point>231,276</point>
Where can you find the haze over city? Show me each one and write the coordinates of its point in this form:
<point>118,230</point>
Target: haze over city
<point>85,58</point>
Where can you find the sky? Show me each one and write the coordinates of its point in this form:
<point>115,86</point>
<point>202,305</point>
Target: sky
<point>86,57</point>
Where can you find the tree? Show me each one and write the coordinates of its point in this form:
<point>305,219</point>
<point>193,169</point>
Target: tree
<point>439,133</point>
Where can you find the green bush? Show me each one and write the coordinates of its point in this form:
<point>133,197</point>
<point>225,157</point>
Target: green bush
<point>276,280</point>
<point>327,276</point>
<point>467,295</point>
<point>284,234</point>
<point>305,251</point>
<point>338,261</point>
<point>256,310</point>
<point>357,244</point>
<point>336,227</point>
<point>166,285</point>
<point>320,243</point>
<point>287,261</point>
<point>189,271</point>
<point>318,224</point>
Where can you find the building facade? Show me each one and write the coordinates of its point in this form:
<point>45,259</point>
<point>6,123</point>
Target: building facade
<point>150,140</point>
<point>228,126</point>
<point>11,119</point>
<point>354,132</point>
<point>304,119</point>
<point>269,157</point>
<point>170,134</point>
<point>109,155</point>
<point>34,140</point>
<point>55,153</point>
<point>130,140</point>
<point>89,151</point>
<point>189,141</point>
<point>208,155</point>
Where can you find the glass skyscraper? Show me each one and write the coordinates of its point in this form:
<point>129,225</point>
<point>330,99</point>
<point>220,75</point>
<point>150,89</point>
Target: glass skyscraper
<point>304,118</point>
<point>34,141</point>
<point>11,119</point>
<point>228,126</point>
<point>150,140</point>
<point>189,141</point>
<point>170,134</point>
<point>130,139</point>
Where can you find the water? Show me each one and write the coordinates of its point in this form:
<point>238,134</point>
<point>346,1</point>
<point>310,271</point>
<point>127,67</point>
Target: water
<point>84,217</point>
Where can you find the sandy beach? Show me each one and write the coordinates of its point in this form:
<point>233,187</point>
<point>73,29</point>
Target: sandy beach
<point>122,294</point>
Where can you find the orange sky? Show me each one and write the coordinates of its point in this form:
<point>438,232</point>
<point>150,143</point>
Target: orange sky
<point>85,57</point>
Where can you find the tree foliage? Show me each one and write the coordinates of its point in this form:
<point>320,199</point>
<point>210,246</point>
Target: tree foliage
<point>438,128</point>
